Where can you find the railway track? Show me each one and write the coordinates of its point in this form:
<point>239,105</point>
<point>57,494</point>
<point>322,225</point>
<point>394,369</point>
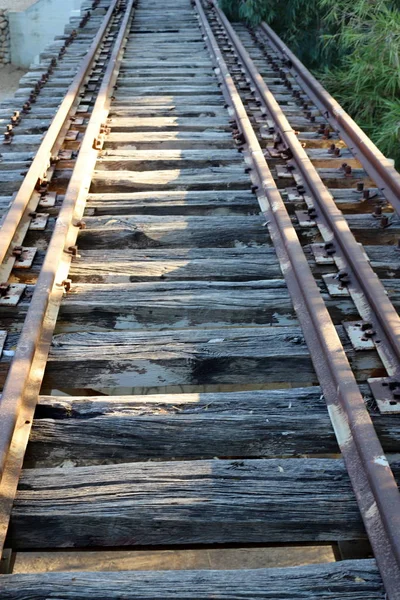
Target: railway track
<point>198,318</point>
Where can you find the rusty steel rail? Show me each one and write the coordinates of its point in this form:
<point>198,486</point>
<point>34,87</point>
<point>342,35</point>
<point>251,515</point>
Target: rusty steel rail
<point>373,482</point>
<point>374,162</point>
<point>365,287</point>
<point>27,367</point>
<point>59,124</point>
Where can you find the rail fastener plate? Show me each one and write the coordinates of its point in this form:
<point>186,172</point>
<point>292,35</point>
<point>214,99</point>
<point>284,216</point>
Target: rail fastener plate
<point>334,285</point>
<point>320,254</point>
<point>25,259</point>
<point>359,335</point>
<point>39,222</point>
<point>386,392</point>
<point>13,295</point>
<point>304,218</point>
<point>48,200</point>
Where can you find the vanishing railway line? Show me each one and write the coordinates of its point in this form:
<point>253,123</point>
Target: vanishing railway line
<point>198,313</point>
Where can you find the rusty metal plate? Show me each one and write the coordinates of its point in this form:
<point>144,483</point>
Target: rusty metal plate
<point>284,173</point>
<point>334,286</point>
<point>13,295</point>
<point>26,259</point>
<point>386,391</point>
<point>293,195</point>
<point>358,333</point>
<point>48,200</point>
<point>71,135</point>
<point>320,254</point>
<point>304,218</point>
<point>39,222</point>
<point>65,154</point>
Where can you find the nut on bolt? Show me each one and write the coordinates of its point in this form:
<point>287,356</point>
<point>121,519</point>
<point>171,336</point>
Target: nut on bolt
<point>4,289</point>
<point>80,224</point>
<point>66,284</point>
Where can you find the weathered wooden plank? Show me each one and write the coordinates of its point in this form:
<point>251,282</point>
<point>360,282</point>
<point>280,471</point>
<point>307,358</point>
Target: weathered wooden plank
<point>265,423</point>
<point>180,89</point>
<point>189,356</point>
<point>171,139</point>
<point>148,160</point>
<point>195,502</point>
<point>144,124</point>
<point>189,202</point>
<point>347,580</point>
<point>226,176</point>
<point>98,307</point>
<point>131,83</point>
<point>170,109</point>
<point>145,265</point>
<point>151,232</point>
<point>168,99</point>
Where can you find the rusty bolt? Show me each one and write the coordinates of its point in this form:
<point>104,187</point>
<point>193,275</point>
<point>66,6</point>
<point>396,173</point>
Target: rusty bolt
<point>378,211</point>
<point>327,133</point>
<point>384,221</point>
<point>17,252</point>
<point>348,171</point>
<point>360,186</point>
<point>73,250</point>
<point>80,224</point>
<point>4,289</point>
<point>343,277</point>
<point>66,284</point>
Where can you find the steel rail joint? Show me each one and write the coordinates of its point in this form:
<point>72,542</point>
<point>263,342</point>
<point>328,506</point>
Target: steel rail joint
<point>373,482</point>
<point>64,235</point>
<point>372,159</point>
<point>43,154</point>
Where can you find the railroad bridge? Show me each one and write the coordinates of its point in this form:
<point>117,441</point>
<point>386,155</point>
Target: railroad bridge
<point>199,331</point>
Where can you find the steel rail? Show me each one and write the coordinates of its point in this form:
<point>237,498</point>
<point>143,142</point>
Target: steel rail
<point>372,159</point>
<point>43,155</point>
<point>374,486</point>
<point>57,257</point>
<point>380,310</point>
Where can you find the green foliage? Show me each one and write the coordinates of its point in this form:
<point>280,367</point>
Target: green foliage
<point>352,45</point>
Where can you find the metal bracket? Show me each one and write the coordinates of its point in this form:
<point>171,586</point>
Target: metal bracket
<point>334,285</point>
<point>386,392</point>
<point>360,334</point>
<point>13,295</point>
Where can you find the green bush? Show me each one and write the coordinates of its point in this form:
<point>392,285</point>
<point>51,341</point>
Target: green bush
<point>353,46</point>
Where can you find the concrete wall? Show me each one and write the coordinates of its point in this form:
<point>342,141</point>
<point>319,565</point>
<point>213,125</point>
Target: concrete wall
<point>34,28</point>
